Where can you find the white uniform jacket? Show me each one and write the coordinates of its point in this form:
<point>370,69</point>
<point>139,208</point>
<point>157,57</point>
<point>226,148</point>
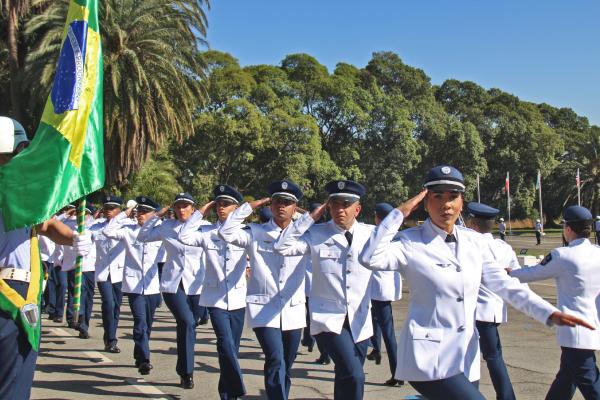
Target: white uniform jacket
<point>15,247</point>
<point>69,256</point>
<point>307,277</point>
<point>276,286</point>
<point>490,306</point>
<point>575,269</point>
<point>386,285</point>
<point>184,264</point>
<point>47,247</point>
<point>224,284</point>
<point>340,285</point>
<point>439,338</point>
<point>140,274</point>
<point>110,254</point>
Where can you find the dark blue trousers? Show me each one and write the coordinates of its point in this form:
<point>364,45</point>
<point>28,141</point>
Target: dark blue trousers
<point>17,357</point>
<point>280,349</point>
<point>112,297</point>
<point>50,293</point>
<point>383,325</point>
<point>86,300</point>
<point>228,325</point>
<point>491,350</point>
<point>349,359</point>
<point>186,311</point>
<point>577,370</point>
<point>61,290</point>
<point>456,387</point>
<point>142,307</point>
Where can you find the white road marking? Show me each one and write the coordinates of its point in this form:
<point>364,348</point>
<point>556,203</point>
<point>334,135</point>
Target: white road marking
<point>61,332</point>
<point>94,355</point>
<point>147,389</point>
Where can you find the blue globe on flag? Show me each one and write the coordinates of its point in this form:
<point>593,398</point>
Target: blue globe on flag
<point>68,81</point>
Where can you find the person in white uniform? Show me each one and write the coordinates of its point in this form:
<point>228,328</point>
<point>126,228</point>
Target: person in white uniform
<point>224,290</point>
<point>444,266</point>
<point>140,280</point>
<point>20,272</point>
<point>340,298</point>
<point>575,269</point>
<point>181,280</point>
<point>87,278</point>
<point>491,309</point>
<point>275,294</point>
<point>110,257</point>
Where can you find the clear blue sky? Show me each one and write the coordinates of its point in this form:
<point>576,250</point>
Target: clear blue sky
<point>541,51</point>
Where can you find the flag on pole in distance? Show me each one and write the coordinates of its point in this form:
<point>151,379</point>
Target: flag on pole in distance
<point>65,160</point>
<point>506,188</point>
<point>578,179</point>
<point>538,182</point>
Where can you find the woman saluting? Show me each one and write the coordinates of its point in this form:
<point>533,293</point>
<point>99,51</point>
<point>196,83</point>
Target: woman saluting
<point>444,265</point>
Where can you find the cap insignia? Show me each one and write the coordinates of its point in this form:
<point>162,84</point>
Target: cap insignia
<point>446,170</point>
<point>341,185</point>
<point>284,185</point>
<point>222,188</point>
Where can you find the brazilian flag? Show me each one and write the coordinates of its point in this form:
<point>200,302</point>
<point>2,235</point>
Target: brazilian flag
<point>64,161</point>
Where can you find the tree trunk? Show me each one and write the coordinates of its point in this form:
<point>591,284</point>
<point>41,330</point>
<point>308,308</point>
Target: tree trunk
<point>13,60</point>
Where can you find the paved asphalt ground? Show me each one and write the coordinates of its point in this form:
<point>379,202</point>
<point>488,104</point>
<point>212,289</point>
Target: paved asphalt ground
<point>72,368</point>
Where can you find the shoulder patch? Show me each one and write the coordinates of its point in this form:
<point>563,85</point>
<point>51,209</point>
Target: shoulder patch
<point>547,259</point>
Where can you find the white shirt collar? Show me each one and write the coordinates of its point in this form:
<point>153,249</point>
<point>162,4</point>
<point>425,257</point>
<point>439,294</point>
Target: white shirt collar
<point>442,233</point>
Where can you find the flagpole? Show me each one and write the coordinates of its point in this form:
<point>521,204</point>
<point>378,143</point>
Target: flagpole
<point>78,262</point>
<point>478,191</point>
<point>578,188</point>
<point>508,200</point>
<point>539,182</point>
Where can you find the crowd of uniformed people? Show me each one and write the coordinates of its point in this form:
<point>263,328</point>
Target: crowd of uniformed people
<point>296,278</point>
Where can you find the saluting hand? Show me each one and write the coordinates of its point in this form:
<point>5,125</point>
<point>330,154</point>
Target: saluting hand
<point>411,204</point>
<point>562,319</point>
<point>207,207</point>
<point>258,203</point>
<point>163,211</point>
<point>129,210</point>
<point>318,212</point>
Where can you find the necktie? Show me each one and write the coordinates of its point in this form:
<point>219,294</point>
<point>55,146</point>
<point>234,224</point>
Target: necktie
<point>348,235</point>
<point>450,238</point>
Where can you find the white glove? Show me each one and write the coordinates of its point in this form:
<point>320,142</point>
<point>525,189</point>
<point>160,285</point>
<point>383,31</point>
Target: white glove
<point>82,243</point>
<point>131,203</point>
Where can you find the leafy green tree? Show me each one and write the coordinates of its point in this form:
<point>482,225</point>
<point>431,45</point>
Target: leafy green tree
<point>151,70</point>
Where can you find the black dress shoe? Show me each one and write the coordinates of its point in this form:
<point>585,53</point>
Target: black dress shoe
<point>84,335</point>
<point>394,382</point>
<point>310,347</point>
<point>374,355</point>
<point>112,348</point>
<point>323,360</point>
<point>58,320</point>
<point>187,381</point>
<point>145,368</point>
<point>72,325</point>
<point>203,321</point>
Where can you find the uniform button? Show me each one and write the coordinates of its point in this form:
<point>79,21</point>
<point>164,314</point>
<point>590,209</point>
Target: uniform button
<point>280,281</point>
<point>347,287</point>
<point>348,271</point>
<point>458,269</point>
<point>226,259</point>
<point>348,303</point>
<point>349,256</point>
<point>459,299</point>
<point>461,328</point>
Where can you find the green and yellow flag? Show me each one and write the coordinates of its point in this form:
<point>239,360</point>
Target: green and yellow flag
<point>65,160</point>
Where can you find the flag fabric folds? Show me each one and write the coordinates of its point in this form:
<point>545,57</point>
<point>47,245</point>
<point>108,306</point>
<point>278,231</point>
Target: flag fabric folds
<point>65,160</point>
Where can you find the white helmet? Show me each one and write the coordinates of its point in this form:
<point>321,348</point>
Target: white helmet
<point>537,220</point>
<point>501,219</point>
<point>12,134</point>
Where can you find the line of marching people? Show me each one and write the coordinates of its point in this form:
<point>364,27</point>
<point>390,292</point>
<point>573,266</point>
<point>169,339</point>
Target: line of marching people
<point>338,278</point>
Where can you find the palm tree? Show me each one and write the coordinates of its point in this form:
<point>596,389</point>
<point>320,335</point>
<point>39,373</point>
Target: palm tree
<point>153,79</point>
<point>12,10</point>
